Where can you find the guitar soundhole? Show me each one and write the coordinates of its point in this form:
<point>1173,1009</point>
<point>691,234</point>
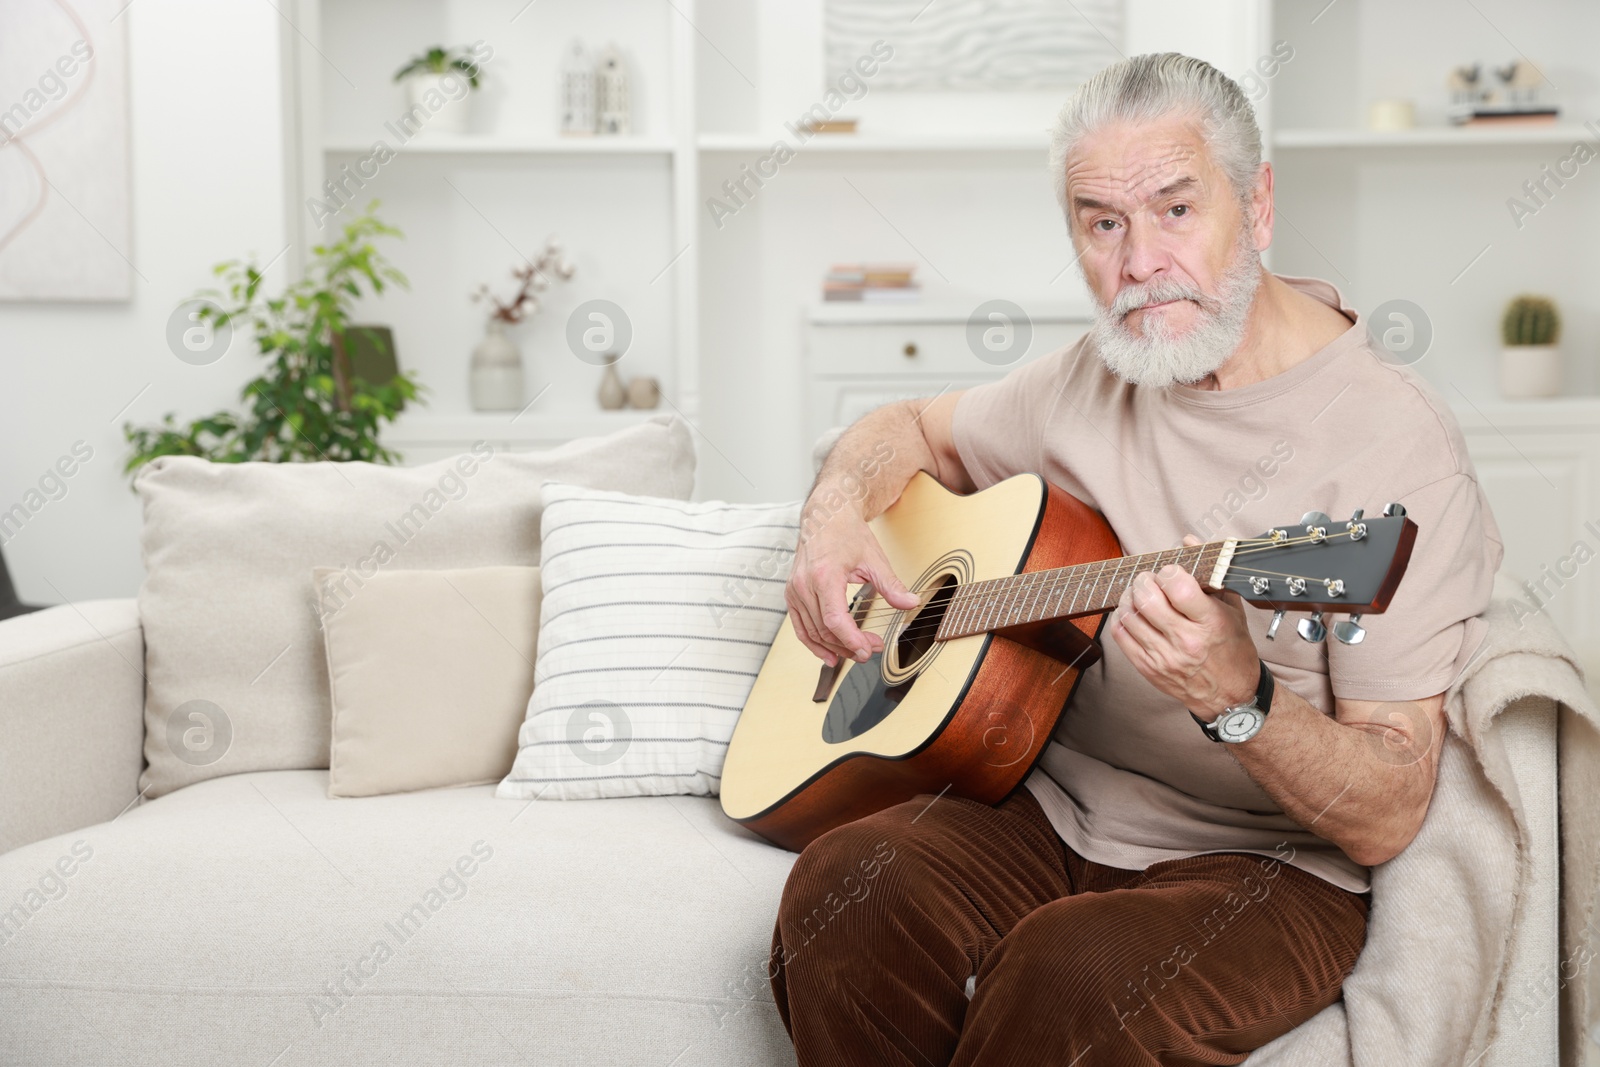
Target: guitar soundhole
<point>916,638</point>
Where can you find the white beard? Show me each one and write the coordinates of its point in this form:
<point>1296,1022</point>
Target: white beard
<point>1157,357</point>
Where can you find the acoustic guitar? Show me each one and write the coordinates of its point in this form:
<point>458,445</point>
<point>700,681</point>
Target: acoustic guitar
<point>1013,583</point>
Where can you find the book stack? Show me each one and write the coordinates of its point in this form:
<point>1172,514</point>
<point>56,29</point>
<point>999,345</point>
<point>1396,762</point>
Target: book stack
<point>1506,116</point>
<point>872,283</point>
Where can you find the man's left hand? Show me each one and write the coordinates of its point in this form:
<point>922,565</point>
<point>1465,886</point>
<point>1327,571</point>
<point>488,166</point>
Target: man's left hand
<point>1191,645</point>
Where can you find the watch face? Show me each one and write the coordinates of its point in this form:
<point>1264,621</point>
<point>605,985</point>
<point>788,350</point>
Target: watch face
<point>1241,724</point>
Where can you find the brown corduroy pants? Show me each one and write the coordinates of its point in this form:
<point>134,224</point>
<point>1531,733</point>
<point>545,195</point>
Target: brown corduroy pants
<point>1191,961</point>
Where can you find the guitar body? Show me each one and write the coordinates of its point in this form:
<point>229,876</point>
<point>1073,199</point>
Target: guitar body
<point>970,715</point>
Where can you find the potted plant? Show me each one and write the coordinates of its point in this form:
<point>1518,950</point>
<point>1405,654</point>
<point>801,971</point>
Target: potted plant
<point>496,376</point>
<point>308,405</point>
<point>1530,362</point>
<point>439,78</point>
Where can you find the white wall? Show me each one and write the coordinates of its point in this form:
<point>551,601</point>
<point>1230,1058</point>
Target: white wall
<point>208,185</point>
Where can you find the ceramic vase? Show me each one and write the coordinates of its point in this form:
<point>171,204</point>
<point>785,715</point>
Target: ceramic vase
<point>496,374</point>
<point>1530,371</point>
<point>643,392</point>
<point>613,394</point>
<point>451,116</point>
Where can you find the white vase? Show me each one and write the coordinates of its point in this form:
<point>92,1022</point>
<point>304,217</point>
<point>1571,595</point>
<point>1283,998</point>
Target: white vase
<point>1530,371</point>
<point>450,116</point>
<point>613,393</point>
<point>496,374</point>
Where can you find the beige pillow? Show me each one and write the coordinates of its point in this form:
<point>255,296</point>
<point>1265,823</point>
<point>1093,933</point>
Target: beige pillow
<point>430,673</point>
<point>237,679</point>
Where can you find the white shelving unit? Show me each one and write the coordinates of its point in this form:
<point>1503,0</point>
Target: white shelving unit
<point>474,204</point>
<point>433,144</point>
<point>1466,137</point>
<point>862,142</point>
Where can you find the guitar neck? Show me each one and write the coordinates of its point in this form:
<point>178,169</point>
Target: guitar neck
<point>1069,592</point>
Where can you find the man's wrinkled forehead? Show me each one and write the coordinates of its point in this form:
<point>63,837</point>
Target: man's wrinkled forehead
<point>1128,172</point>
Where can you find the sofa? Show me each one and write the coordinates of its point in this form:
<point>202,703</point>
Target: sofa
<point>234,920</point>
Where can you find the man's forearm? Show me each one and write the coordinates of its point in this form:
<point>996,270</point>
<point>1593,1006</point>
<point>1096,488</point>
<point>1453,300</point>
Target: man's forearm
<point>868,466</point>
<point>1357,785</point>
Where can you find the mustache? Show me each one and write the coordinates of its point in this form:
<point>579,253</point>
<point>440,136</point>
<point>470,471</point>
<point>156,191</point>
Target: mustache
<point>1156,291</point>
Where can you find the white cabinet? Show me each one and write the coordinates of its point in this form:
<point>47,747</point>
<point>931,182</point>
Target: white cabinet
<point>1539,464</point>
<point>859,357</point>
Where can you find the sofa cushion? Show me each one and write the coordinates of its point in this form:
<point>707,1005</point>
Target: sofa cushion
<point>236,672</point>
<point>239,921</point>
<point>656,617</point>
<point>430,674</point>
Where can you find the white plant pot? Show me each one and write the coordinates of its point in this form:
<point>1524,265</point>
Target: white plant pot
<point>495,380</point>
<point>1530,371</point>
<point>451,115</point>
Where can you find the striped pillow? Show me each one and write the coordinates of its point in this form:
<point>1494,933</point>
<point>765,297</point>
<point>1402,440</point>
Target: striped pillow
<point>655,619</point>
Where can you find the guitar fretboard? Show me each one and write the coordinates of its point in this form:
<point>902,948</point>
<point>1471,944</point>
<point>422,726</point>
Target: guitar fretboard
<point>1065,592</point>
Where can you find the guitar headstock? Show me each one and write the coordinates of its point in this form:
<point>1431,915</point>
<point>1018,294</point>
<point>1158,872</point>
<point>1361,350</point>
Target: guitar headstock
<point>1318,565</point>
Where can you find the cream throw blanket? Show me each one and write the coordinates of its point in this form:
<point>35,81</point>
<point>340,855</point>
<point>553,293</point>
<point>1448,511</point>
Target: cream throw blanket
<point>1431,987</point>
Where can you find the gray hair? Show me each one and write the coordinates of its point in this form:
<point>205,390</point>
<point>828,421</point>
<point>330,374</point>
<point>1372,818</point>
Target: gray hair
<point>1151,86</point>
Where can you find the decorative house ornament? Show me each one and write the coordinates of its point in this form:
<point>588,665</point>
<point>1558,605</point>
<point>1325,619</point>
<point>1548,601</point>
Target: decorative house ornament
<point>577,92</point>
<point>612,104</point>
<point>1520,83</point>
<point>1514,102</point>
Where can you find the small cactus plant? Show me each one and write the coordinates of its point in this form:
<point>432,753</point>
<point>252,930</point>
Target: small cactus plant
<point>1531,320</point>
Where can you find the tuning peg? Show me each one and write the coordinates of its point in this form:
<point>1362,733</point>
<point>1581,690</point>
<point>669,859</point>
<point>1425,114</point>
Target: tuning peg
<point>1312,629</point>
<point>1394,511</point>
<point>1272,627</point>
<point>1316,525</point>
<point>1349,632</point>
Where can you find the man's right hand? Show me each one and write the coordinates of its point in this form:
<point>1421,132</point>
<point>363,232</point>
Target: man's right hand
<point>842,551</point>
<point>837,547</point>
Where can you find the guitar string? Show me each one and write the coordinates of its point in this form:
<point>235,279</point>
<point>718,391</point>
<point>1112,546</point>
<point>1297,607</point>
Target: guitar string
<point>973,589</point>
<point>918,629</point>
<point>1055,583</point>
<point>967,591</point>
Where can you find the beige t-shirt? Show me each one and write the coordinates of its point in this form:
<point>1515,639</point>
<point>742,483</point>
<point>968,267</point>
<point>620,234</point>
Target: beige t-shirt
<point>1127,778</point>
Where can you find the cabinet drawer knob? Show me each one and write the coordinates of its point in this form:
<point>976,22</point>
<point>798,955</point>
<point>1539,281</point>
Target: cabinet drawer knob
<point>911,348</point>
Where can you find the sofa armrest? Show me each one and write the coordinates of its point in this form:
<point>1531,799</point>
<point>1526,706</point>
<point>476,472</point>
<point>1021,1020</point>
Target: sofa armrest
<point>71,718</point>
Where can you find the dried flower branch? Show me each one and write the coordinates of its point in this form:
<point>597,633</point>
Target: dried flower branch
<point>534,278</point>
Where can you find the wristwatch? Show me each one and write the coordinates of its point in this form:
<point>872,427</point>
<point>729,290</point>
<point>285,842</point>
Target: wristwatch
<point>1241,722</point>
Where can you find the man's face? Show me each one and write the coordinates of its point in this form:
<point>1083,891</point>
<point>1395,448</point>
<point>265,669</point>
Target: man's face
<point>1146,200</point>
<point>1168,251</point>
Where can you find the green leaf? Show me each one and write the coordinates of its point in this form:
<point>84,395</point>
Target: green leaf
<point>291,411</point>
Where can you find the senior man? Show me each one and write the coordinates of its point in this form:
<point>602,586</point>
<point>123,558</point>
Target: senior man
<point>1152,896</point>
